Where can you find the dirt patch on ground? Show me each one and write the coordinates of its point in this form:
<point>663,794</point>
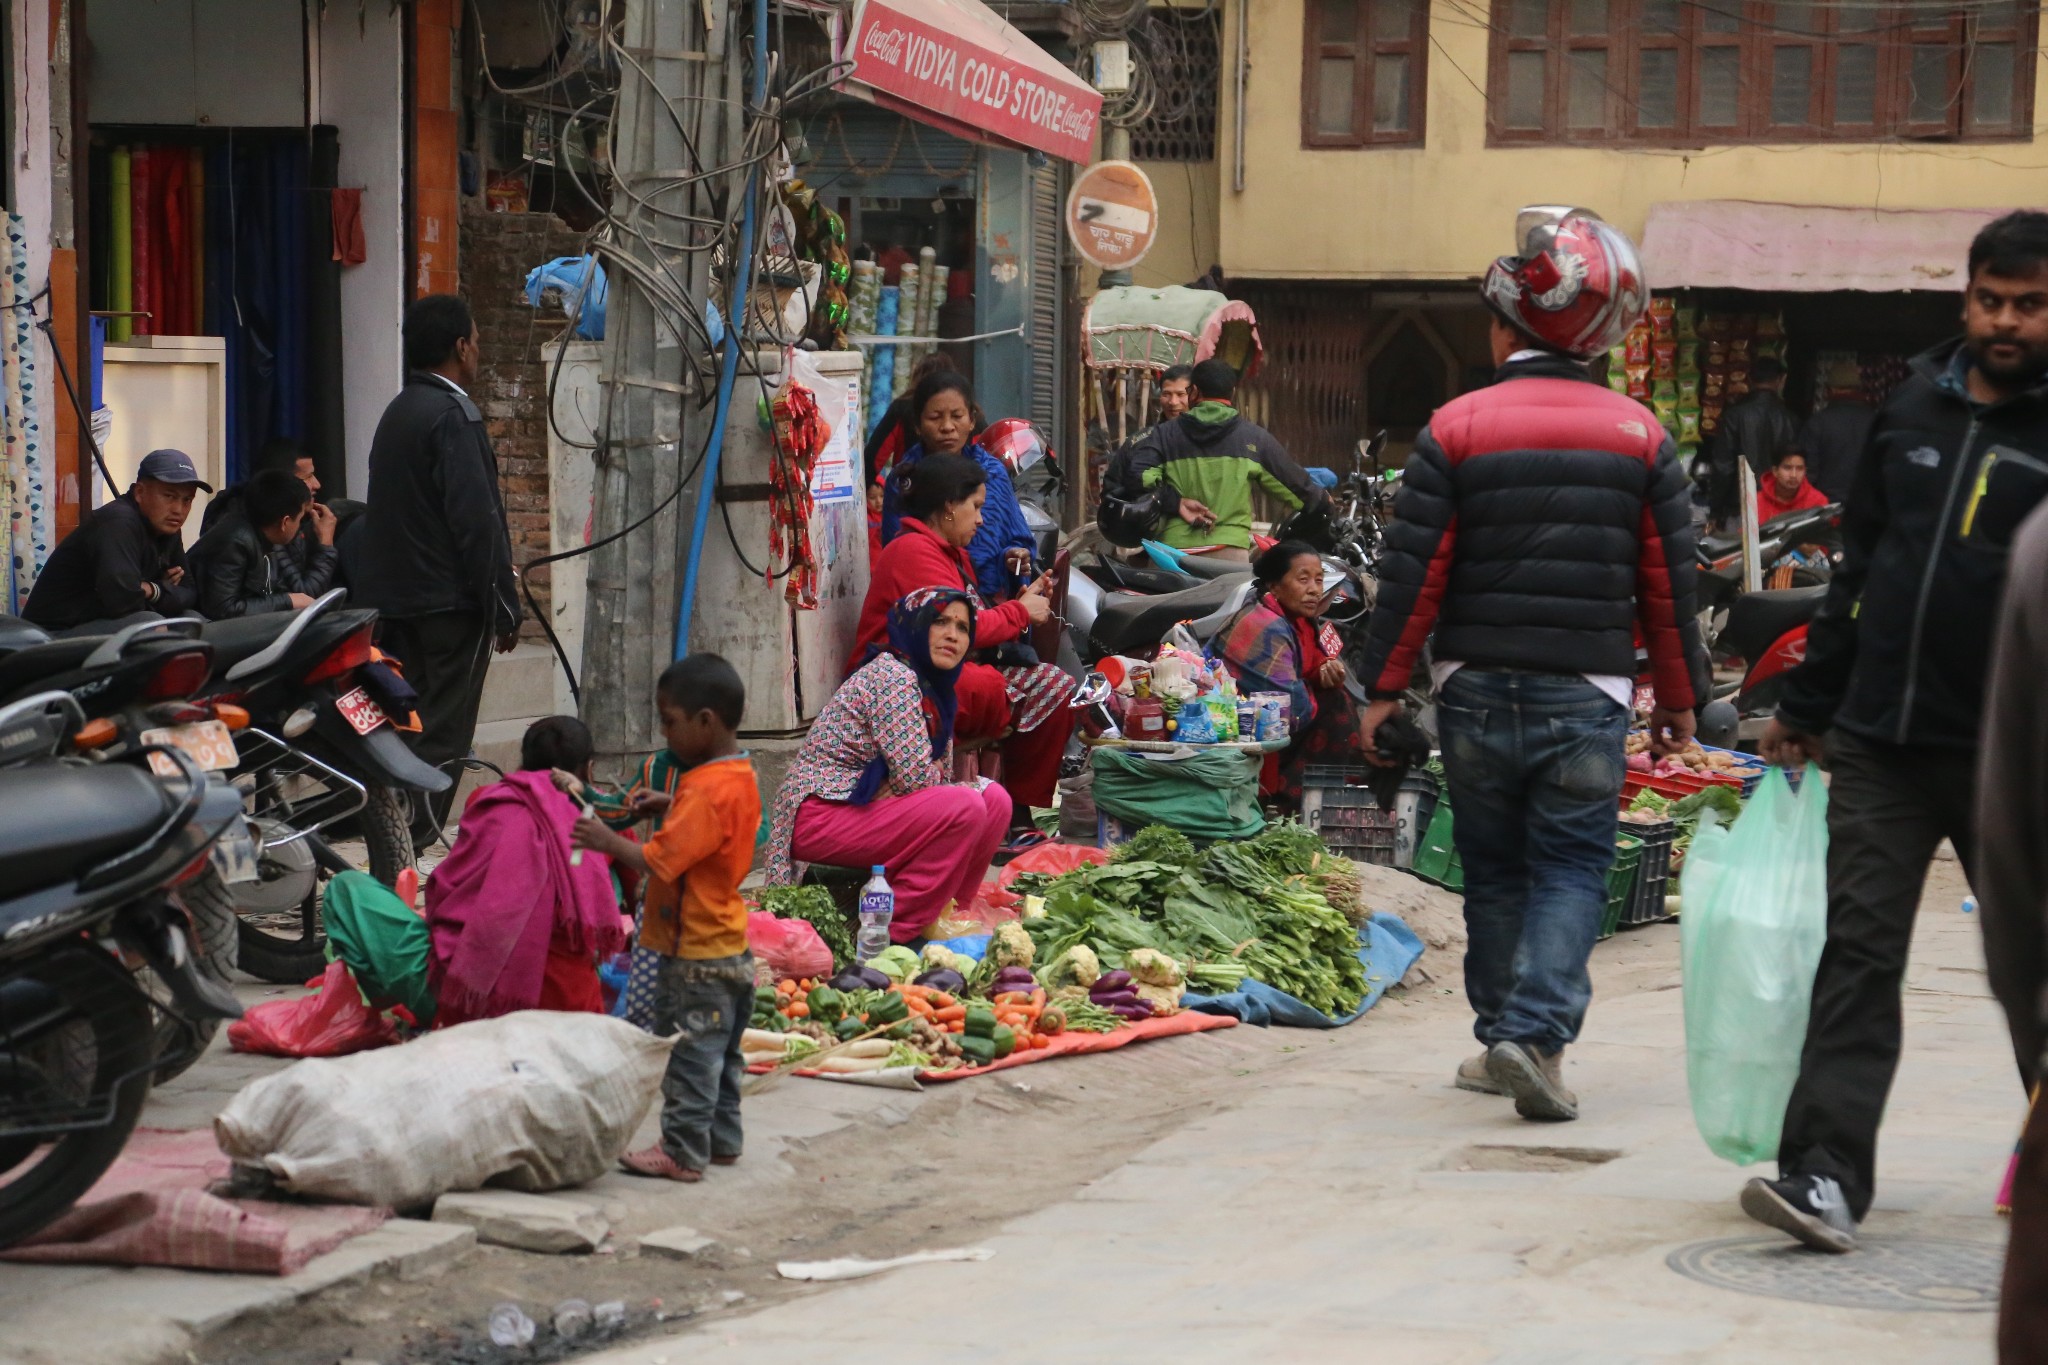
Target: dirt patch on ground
<point>1437,916</point>
<point>967,1157</point>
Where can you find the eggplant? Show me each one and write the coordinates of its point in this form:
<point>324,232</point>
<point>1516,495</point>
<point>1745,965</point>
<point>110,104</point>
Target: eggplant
<point>1140,1010</point>
<point>1014,979</point>
<point>943,979</point>
<point>850,980</point>
<point>1109,1000</point>
<point>1112,981</point>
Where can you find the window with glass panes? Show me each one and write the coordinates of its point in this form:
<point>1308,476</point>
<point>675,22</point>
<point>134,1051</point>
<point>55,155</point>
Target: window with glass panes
<point>1363,71</point>
<point>1703,71</point>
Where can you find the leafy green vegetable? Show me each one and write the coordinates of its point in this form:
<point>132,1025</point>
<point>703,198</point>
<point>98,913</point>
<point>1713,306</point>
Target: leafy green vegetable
<point>813,905</point>
<point>1725,802</point>
<point>1162,844</point>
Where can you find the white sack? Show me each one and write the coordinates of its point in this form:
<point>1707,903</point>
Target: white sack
<point>532,1101</point>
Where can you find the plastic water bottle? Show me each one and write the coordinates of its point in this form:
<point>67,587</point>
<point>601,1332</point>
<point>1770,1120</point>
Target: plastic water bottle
<point>877,908</point>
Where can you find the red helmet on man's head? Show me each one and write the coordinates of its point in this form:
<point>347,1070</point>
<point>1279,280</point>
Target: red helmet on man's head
<point>1577,285</point>
<point>1016,443</point>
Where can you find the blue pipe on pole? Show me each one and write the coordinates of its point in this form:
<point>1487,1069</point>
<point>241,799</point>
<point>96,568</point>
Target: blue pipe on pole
<point>729,368</point>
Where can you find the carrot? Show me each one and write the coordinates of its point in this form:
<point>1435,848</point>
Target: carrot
<point>798,1009</point>
<point>951,1014</point>
<point>943,1000</point>
<point>921,1008</point>
<point>956,1025</point>
<point>1039,1040</point>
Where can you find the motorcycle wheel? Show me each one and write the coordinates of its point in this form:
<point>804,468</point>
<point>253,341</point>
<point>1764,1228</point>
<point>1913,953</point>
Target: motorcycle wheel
<point>290,950</point>
<point>103,1048</point>
<point>211,903</point>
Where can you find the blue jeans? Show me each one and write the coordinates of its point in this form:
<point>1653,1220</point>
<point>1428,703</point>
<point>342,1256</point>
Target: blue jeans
<point>1535,764</point>
<point>706,1003</point>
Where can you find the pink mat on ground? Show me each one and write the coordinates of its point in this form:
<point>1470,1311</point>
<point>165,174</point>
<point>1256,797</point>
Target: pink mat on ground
<point>152,1208</point>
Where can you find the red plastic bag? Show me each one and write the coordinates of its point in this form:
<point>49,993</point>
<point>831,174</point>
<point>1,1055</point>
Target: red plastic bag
<point>331,1023</point>
<point>1053,858</point>
<point>790,947</point>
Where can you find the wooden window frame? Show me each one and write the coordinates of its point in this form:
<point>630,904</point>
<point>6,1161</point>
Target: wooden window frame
<point>1824,33</point>
<point>1362,52</point>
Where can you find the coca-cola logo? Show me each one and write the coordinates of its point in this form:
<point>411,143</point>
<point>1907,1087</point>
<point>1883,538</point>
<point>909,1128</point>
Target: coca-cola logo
<point>885,45</point>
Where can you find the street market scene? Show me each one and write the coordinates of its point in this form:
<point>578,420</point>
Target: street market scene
<point>1350,678</point>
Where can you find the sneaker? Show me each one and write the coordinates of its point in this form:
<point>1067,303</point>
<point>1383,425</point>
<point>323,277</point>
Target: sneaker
<point>1473,1076</point>
<point>656,1162</point>
<point>1535,1079</point>
<point>1810,1207</point>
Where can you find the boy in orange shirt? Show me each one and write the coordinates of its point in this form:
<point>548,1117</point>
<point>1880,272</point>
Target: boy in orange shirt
<point>694,917</point>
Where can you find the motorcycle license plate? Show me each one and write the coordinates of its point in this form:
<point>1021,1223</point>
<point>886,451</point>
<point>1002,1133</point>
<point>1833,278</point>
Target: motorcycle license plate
<point>207,743</point>
<point>360,709</point>
<point>234,855</point>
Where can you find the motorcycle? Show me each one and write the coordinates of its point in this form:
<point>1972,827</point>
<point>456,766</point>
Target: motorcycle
<point>96,858</point>
<point>284,703</point>
<point>1761,636</point>
<point>320,749</point>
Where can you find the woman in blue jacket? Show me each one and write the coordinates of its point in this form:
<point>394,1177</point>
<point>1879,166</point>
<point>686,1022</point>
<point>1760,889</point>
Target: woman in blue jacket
<point>942,408</point>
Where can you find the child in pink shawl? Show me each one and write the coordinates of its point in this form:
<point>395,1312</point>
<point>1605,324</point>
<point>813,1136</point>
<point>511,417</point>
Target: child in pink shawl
<point>515,924</point>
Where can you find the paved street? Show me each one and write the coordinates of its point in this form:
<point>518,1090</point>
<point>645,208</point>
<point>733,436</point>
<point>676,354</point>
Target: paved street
<point>1255,1189</point>
<point>1361,1208</point>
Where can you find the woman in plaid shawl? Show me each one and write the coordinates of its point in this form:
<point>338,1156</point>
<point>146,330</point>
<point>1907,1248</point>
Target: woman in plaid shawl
<point>1279,644</point>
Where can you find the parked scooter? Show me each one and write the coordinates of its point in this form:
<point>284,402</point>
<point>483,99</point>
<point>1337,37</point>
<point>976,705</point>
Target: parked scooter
<point>95,858</point>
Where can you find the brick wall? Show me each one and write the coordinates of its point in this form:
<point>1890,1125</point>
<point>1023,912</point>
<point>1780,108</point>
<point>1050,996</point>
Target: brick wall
<point>497,251</point>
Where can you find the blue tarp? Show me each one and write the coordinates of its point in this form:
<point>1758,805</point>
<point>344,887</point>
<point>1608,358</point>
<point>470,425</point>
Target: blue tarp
<point>581,283</point>
<point>1387,947</point>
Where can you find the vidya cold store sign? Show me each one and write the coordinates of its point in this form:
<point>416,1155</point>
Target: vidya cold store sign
<point>958,60</point>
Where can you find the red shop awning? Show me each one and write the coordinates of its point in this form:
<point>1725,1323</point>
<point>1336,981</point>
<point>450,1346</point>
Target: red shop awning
<point>955,64</point>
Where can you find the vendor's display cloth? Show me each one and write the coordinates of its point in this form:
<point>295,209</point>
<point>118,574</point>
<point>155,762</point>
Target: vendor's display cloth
<point>152,1208</point>
<point>1387,947</point>
<point>507,891</point>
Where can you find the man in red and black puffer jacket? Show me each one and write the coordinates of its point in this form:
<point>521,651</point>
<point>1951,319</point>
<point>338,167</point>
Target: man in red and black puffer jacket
<point>1541,522</point>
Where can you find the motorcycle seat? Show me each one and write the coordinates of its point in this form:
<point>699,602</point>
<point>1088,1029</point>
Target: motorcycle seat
<point>63,818</point>
<point>1758,620</point>
<point>1134,625</point>
<point>16,633</point>
<point>29,669</point>
<point>239,637</point>
<point>1142,578</point>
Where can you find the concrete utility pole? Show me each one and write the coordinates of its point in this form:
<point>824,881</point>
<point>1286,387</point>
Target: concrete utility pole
<point>1113,79</point>
<point>678,116</point>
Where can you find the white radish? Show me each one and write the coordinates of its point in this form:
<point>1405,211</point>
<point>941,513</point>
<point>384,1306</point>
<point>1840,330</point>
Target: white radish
<point>848,1065</point>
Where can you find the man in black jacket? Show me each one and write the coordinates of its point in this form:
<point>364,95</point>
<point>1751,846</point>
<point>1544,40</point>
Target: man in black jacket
<point>435,557</point>
<point>1894,677</point>
<point>128,557</point>
<point>1834,437</point>
<point>1752,433</point>
<point>245,564</point>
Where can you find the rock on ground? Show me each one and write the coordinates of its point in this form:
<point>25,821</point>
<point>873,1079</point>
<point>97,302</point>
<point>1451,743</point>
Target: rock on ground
<point>529,1222</point>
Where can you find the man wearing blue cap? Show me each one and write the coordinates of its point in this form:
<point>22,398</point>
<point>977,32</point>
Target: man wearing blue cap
<point>127,557</point>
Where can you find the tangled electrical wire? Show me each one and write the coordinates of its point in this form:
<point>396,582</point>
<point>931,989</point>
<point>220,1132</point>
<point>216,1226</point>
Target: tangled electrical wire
<point>1165,44</point>
<point>645,233</point>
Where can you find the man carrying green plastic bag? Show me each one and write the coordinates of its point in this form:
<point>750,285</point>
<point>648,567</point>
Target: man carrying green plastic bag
<point>1756,904</point>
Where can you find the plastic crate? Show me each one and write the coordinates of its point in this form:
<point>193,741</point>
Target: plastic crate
<point>1749,781</point>
<point>1621,882</point>
<point>1436,857</point>
<point>1677,788</point>
<point>1334,802</point>
<point>1653,873</point>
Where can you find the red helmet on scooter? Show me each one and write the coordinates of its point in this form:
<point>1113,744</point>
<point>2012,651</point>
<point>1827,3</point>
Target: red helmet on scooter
<point>1016,443</point>
<point>1577,285</point>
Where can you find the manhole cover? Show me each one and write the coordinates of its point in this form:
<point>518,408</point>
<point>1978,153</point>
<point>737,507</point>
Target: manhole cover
<point>1924,1273</point>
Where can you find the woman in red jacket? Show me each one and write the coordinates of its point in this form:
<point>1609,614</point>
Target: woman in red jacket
<point>1007,693</point>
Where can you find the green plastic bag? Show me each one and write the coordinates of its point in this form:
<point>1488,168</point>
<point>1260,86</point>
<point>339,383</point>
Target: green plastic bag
<point>1205,793</point>
<point>1755,897</point>
<point>383,942</point>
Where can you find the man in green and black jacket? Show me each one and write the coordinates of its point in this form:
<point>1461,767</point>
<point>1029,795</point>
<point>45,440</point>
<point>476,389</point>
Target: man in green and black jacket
<point>1204,462</point>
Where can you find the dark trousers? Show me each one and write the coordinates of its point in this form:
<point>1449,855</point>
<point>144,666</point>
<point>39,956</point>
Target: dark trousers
<point>445,656</point>
<point>1889,807</point>
<point>2023,1304</point>
<point>706,1003</point>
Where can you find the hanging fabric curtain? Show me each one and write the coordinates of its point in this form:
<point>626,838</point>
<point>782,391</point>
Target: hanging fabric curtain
<point>27,542</point>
